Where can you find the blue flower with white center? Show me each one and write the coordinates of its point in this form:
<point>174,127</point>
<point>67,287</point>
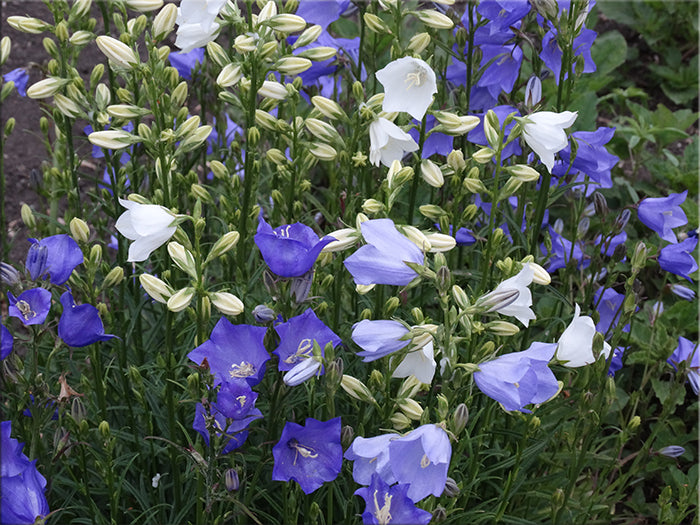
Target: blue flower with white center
<point>297,338</point>
<point>379,338</point>
<point>31,307</point>
<point>310,455</point>
<point>389,504</point>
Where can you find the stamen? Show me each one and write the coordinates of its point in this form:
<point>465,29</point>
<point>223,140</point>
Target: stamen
<point>415,78</point>
<point>284,230</point>
<point>382,514</point>
<point>304,350</point>
<point>26,310</point>
<point>424,461</point>
<point>243,370</point>
<point>241,400</point>
<point>306,452</point>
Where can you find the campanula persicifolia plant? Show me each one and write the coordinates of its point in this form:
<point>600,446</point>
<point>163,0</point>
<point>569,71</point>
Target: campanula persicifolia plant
<point>305,261</point>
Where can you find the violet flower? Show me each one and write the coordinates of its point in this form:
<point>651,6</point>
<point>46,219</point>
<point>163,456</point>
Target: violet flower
<point>233,352</point>
<point>20,77</point>
<point>616,361</point>
<point>31,307</point>
<point>663,214</point>
<point>678,259</point>
<point>519,378</point>
<point>235,429</point>
<point>22,487</point>
<point>551,53</point>
<point>609,310</point>
<point>80,325</point>
<point>382,260</point>
<point>370,456</point>
<point>56,256</point>
<point>421,458</point>
<point>379,338</point>
<point>6,342</point>
<point>322,13</point>
<point>297,337</point>
<point>185,63</point>
<point>386,504</point>
<point>592,158</point>
<point>289,250</point>
<point>687,351</point>
<point>310,455</point>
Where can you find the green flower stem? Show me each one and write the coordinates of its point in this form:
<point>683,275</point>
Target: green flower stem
<point>170,402</point>
<point>5,246</point>
<point>486,263</point>
<point>416,176</point>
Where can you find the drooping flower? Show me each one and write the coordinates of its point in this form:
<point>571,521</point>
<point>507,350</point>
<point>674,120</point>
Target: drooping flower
<point>419,363</point>
<point>196,20</point>
<point>575,345</point>
<point>6,342</point>
<point>520,308</point>
<point>663,214</point>
<point>687,351</point>
<point>289,250</point>
<point>409,84</point>
<point>31,307</point>
<point>678,259</point>
<point>388,142</point>
<point>390,504</point>
<point>20,77</point>
<point>421,458</point>
<point>321,13</point>
<point>56,256</point>
<point>551,54</point>
<point>616,361</point>
<point>609,309</point>
<point>370,456</point>
<point>233,428</point>
<point>382,260</point>
<point>297,337</point>
<point>310,455</point>
<point>148,225</point>
<point>22,487</point>
<point>379,338</point>
<point>520,378</point>
<point>544,133</point>
<point>592,157</point>
<point>80,325</point>
<point>233,352</point>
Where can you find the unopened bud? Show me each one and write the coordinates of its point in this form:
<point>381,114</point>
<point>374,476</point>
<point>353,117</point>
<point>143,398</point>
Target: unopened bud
<point>400,421</point>
<point>502,328</point>
<point>79,230</point>
<point>639,258</point>
<point>180,299</point>
<point>103,427</point>
<point>287,23</point>
<point>434,19</point>
<point>411,408</point>
<point>157,289</point>
<point>460,418</point>
<point>227,303</point>
<point>117,51</point>
<point>431,173</point>
<point>114,277</point>
<point>27,216</point>
<point>356,389</point>
<point>328,108</point>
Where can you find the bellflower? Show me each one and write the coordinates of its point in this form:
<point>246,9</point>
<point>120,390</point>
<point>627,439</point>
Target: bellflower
<point>575,345</point>
<point>321,13</point>
<point>196,20</point>
<point>501,16</point>
<point>6,342</point>
<point>310,455</point>
<point>663,214</point>
<point>616,361</point>
<point>520,378</point>
<point>544,132</point>
<point>551,52</point>
<point>678,259</point>
<point>561,252</point>
<point>22,487</point>
<point>388,142</point>
<point>289,250</point>
<point>185,63</point>
<point>236,429</point>
<point>409,85</point>
<point>421,458</point>
<point>609,243</point>
<point>382,260</point>
<point>520,308</point>
<point>56,256</point>
<point>477,135</point>
<point>504,68</point>
<point>20,77</point>
<point>592,157</point>
<point>370,456</point>
<point>297,337</point>
<point>148,225</point>
<point>31,307</point>
<point>419,363</point>
<point>80,325</point>
<point>386,504</point>
<point>687,351</point>
<point>672,451</point>
<point>378,339</point>
<point>435,142</point>
<point>233,352</point>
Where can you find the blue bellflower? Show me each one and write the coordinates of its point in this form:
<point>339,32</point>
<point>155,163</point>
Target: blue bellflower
<point>310,455</point>
<point>378,338</point>
<point>616,361</point>
<point>297,338</point>
<point>20,77</point>
<point>390,504</point>
<point>31,307</point>
<point>551,52</point>
<point>561,252</point>
<point>592,157</point>
<point>520,378</point>
<point>80,325</point>
<point>678,259</point>
<point>56,256</point>
<point>370,456</point>
<point>6,342</point>
<point>421,458</point>
<point>233,352</point>
<point>22,487</point>
<point>381,261</point>
<point>289,250</point>
<point>185,63</point>
<point>321,12</point>
<point>609,310</point>
<point>687,351</point>
<point>477,135</point>
<point>663,214</point>
<point>435,142</point>
<point>234,429</point>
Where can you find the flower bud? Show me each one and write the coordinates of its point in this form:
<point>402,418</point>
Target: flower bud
<point>231,480</point>
<point>460,418</point>
<point>321,130</point>
<point>432,211</point>
<point>495,301</point>
<point>9,276</point>
<point>356,389</point>
<point>196,139</point>
<point>523,172</point>
<point>79,230</point>
<point>274,90</point>
<point>292,65</point>
<point>376,24</point>
<point>411,408</point>
<point>672,451</point>
<point>164,22</point>
<point>372,206</point>
<point>66,106</point>
<point>533,91</point>
<point>81,38</point>
<point>639,258</point>
<point>431,173</point>
<point>157,289</point>
<point>114,277</point>
<point>27,216</point>
<point>287,23</point>
<point>46,88</point>
<point>5,47</point>
<point>328,108</point>
<point>302,371</point>
<point>502,328</point>
<point>419,42</point>
<point>309,36</point>
<point>117,51</point>
<point>27,24</point>
<point>319,53</point>
<point>600,204</point>
<point>483,156</point>
<point>540,275</point>
<point>103,427</point>
<point>434,19</point>
<point>112,139</point>
<point>180,299</point>
<point>227,303</point>
<point>144,6</point>
<point>229,76</point>
<point>451,488</point>
<point>323,152</point>
<point>440,242</point>
<point>344,238</point>
<point>264,314</point>
<point>400,421</point>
